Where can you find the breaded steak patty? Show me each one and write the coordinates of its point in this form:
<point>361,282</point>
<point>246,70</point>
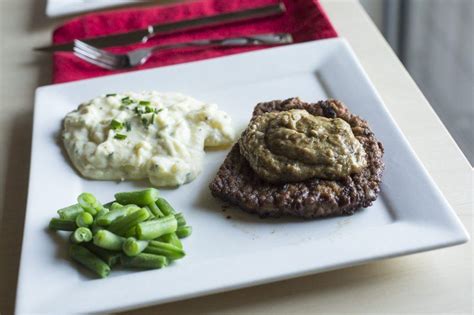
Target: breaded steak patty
<point>237,183</point>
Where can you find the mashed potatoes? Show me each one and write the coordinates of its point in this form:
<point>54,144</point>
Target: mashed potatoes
<point>160,136</point>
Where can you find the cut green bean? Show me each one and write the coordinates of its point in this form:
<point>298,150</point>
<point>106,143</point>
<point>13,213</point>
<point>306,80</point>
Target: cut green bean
<point>108,240</point>
<point>140,198</point>
<point>115,206</point>
<point>95,228</point>
<point>62,224</point>
<point>81,235</point>
<point>138,229</point>
<point>89,203</point>
<point>71,212</point>
<point>152,229</point>
<point>108,204</point>
<point>184,231</point>
<point>111,258</point>
<point>151,215</point>
<point>112,215</point>
<point>180,218</point>
<point>84,219</point>
<point>121,225</point>
<point>144,261</point>
<point>86,258</point>
<point>155,210</point>
<point>172,239</point>
<point>165,249</point>
<point>165,207</point>
<point>133,247</point>
<point>132,232</point>
<point>102,212</point>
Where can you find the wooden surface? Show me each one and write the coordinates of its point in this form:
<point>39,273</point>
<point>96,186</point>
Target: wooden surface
<point>434,282</point>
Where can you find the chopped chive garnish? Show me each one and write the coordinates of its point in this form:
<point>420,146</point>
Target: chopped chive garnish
<point>116,125</point>
<point>145,103</point>
<point>128,125</point>
<point>119,136</point>
<point>158,110</point>
<point>152,121</point>
<point>145,122</point>
<point>113,94</point>
<point>127,100</point>
<point>148,109</point>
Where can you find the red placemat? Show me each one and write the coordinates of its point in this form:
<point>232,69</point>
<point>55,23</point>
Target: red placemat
<point>304,19</point>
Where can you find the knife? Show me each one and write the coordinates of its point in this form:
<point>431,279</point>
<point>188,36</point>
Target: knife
<point>144,35</point>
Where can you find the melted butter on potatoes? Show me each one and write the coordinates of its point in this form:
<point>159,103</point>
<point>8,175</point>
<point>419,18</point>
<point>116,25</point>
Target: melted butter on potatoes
<point>291,146</point>
<point>160,136</point>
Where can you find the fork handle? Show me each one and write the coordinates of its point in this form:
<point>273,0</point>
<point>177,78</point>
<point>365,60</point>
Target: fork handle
<point>263,39</point>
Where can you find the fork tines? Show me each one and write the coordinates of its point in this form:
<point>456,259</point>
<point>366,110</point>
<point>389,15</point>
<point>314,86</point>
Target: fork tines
<point>95,55</point>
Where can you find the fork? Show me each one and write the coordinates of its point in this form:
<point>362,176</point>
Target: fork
<point>113,61</point>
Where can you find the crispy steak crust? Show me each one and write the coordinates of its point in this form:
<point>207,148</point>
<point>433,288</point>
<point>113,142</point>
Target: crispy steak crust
<point>237,183</point>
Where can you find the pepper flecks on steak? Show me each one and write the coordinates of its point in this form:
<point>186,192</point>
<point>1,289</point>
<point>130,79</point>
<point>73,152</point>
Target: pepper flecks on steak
<point>237,183</point>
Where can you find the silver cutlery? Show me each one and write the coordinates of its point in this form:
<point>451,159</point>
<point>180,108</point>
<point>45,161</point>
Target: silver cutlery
<point>113,61</point>
<point>143,35</point>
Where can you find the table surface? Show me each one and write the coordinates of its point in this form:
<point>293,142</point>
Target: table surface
<point>435,282</point>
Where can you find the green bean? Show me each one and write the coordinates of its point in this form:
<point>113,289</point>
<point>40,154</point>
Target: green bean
<point>132,247</point>
<point>84,219</point>
<point>155,210</point>
<point>62,224</point>
<point>83,256</point>
<point>80,235</point>
<point>180,218</point>
<point>71,212</point>
<point>111,258</point>
<point>151,215</point>
<point>172,239</point>
<point>184,231</point>
<point>108,240</point>
<point>115,206</point>
<point>144,261</point>
<point>95,228</point>
<point>165,249</point>
<point>152,229</point>
<point>132,232</point>
<point>165,207</point>
<point>89,203</point>
<point>102,212</point>
<point>121,225</point>
<point>140,197</point>
<point>108,205</point>
<point>112,215</point>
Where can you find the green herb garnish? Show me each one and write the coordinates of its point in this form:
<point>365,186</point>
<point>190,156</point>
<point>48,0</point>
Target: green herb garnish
<point>144,103</point>
<point>128,126</point>
<point>116,125</point>
<point>127,100</point>
<point>145,122</point>
<point>148,109</point>
<point>113,94</point>
<point>119,136</point>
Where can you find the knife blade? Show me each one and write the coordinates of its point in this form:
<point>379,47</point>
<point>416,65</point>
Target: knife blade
<point>191,24</point>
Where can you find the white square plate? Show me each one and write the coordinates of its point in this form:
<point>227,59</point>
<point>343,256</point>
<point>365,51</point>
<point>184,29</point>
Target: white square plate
<point>409,216</point>
<point>64,7</point>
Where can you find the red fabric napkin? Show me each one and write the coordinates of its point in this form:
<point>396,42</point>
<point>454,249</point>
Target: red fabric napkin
<point>304,19</point>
